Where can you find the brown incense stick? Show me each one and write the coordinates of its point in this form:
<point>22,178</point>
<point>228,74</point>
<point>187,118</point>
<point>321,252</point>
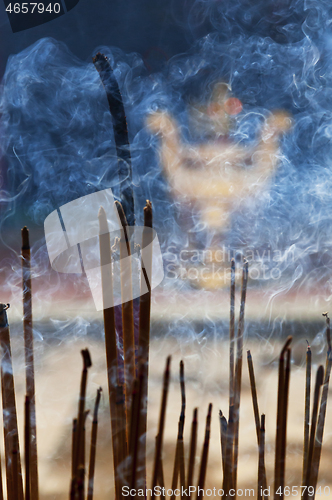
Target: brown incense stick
<point>205,453</point>
<point>144,331</point>
<point>120,129</point>
<point>254,394</point>
<point>111,345</point>
<point>238,372</point>
<point>15,467</point>
<point>127,312</point>
<point>79,453</point>
<point>73,447</point>
<point>9,408</point>
<point>319,382</point>
<point>284,422</point>
<point>323,406</point>
<point>27,447</point>
<point>306,413</point>
<point>261,460</point>
<point>93,446</point>
<point>228,477</point>
<point>232,334</point>
<point>136,424</point>
<point>160,435</point>
<point>280,412</point>
<point>223,441</point>
<point>29,358</point>
<point>192,449</point>
<point>179,466</point>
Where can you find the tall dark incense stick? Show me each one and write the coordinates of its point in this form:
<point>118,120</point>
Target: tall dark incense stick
<point>144,330</point>
<point>238,372</point>
<point>9,411</point>
<point>93,446</point>
<point>280,421</point>
<point>29,358</point>
<point>261,460</point>
<point>127,312</point>
<point>114,388</point>
<point>120,127</point>
<point>27,447</point>
<point>179,467</point>
<point>306,412</point>
<point>232,334</point>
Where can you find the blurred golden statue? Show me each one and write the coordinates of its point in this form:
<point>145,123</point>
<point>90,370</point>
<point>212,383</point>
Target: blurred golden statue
<point>218,175</point>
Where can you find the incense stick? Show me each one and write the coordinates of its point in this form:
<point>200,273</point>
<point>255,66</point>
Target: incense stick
<point>110,344</point>
<point>137,425</point>
<point>192,450</point>
<point>232,334</point>
<point>15,467</point>
<point>160,435</point>
<point>319,382</point>
<point>79,453</point>
<point>284,422</point>
<point>223,441</point>
<point>93,446</point>
<point>27,447</point>
<point>9,409</point>
<point>29,358</point>
<point>120,128</point>
<point>306,413</point>
<point>144,330</point>
<point>127,313</point>
<point>254,394</point>
<point>238,373</point>
<point>323,406</point>
<point>261,460</point>
<point>280,412</point>
<point>205,452</point>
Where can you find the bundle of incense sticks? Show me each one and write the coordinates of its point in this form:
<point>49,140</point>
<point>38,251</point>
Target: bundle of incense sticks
<point>128,406</point>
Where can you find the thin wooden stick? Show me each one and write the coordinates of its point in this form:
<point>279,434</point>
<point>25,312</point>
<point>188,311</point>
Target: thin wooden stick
<point>29,358</point>
<point>93,446</point>
<point>120,128</point>
<point>280,410</point>
<point>27,447</point>
<point>223,440</point>
<point>254,394</point>
<point>9,408</point>
<point>261,461</point>
<point>205,453</point>
<point>284,422</point>
<point>144,332</point>
<point>319,382</point>
<point>110,345</point>
<point>232,334</point>
<point>306,413</point>
<point>81,411</point>
<point>228,478</point>
<point>160,435</point>
<point>73,447</point>
<point>238,373</point>
<point>137,424</point>
<point>15,468</point>
<point>192,450</point>
<point>127,313</point>
<point>322,410</point>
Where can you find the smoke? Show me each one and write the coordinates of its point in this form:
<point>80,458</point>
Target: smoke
<point>58,142</point>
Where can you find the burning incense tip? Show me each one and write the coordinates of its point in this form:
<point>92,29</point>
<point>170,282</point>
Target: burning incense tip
<point>25,238</point>
<point>148,214</point>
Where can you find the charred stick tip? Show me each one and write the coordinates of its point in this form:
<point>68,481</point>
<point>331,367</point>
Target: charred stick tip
<point>249,354</point>
<point>87,363</point>
<point>320,375</point>
<point>121,213</point>
<point>285,347</point>
<point>25,238</point>
<point>195,412</point>
<point>263,422</point>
